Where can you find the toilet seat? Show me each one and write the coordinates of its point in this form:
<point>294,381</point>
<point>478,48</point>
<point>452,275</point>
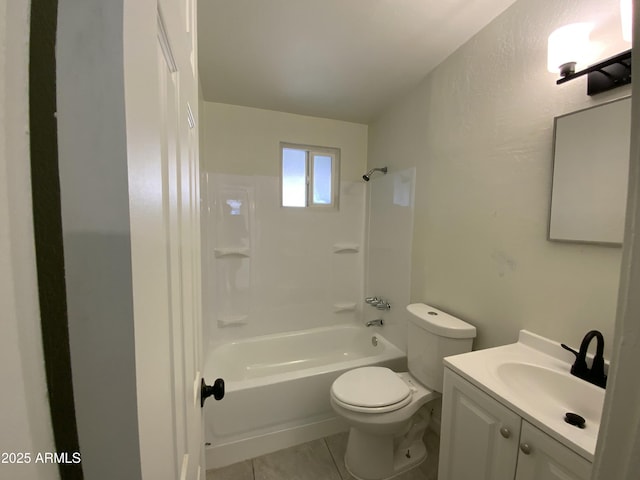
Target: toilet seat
<point>371,390</point>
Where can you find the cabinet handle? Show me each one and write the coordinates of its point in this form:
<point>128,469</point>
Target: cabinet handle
<point>505,432</point>
<point>525,448</point>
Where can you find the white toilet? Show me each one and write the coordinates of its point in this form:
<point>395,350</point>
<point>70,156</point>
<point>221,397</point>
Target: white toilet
<point>384,408</point>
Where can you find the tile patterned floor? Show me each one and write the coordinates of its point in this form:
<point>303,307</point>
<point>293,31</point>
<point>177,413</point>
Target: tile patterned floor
<point>317,460</point>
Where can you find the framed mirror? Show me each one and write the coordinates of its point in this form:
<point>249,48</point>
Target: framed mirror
<point>590,172</point>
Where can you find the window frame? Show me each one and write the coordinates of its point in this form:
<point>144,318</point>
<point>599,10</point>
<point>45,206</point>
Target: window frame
<point>311,151</point>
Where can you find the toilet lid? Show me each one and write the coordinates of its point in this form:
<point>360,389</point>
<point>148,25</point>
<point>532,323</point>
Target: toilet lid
<point>370,387</point>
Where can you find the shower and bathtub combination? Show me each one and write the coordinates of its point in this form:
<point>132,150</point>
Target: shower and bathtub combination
<point>277,387</point>
<point>285,315</point>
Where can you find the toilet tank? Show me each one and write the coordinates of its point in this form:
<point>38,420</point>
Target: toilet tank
<point>433,335</point>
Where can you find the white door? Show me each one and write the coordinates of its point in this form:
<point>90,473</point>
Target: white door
<point>162,145</point>
<point>544,458</point>
<point>479,436</point>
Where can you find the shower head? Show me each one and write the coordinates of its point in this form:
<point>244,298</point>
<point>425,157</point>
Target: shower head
<point>367,176</point>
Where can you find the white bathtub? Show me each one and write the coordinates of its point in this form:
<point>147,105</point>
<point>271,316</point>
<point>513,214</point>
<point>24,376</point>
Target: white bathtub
<point>277,388</point>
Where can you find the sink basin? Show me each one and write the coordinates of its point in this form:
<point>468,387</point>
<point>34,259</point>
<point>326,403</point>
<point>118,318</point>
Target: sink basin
<point>553,393</point>
<point>532,378</point>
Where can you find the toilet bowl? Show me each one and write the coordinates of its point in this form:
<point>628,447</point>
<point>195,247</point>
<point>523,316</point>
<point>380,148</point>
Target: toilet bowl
<point>394,398</point>
<point>384,424</point>
<point>388,412</point>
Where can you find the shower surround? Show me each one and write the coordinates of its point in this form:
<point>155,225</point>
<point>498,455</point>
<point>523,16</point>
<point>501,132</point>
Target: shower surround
<point>270,269</point>
<point>279,277</point>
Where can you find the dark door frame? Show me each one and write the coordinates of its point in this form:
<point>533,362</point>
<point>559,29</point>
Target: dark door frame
<point>47,223</point>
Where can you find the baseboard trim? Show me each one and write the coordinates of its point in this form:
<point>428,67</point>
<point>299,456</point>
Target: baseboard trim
<point>228,453</point>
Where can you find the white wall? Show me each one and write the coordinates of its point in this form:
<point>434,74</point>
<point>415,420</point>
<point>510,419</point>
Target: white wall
<point>478,130</point>
<point>24,407</point>
<point>291,278</point>
<point>245,141</point>
<point>95,221</point>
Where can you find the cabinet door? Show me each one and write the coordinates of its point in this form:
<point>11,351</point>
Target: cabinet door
<point>479,436</point>
<point>548,459</point>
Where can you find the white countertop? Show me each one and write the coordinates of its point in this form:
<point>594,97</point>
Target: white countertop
<point>544,409</point>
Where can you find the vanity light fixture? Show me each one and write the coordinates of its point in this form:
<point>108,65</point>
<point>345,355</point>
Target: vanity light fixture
<point>569,45</point>
<point>610,73</point>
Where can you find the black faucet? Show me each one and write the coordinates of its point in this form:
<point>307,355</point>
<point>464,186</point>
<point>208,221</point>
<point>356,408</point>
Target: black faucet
<point>596,374</point>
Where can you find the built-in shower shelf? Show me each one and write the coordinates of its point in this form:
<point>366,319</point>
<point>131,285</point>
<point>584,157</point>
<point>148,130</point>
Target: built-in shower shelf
<point>231,252</point>
<point>346,248</point>
<point>232,320</point>
<point>344,307</point>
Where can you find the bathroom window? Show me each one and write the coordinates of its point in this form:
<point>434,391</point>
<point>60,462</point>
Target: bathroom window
<point>309,176</point>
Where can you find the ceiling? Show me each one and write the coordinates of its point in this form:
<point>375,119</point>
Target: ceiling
<point>340,59</point>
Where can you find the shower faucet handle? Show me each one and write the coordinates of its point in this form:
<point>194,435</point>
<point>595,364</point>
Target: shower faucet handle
<point>383,305</point>
<point>379,303</point>
<point>372,300</point>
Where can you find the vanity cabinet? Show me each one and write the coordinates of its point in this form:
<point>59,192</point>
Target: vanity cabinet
<point>542,457</point>
<point>481,439</point>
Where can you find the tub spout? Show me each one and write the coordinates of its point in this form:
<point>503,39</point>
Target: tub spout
<point>378,323</point>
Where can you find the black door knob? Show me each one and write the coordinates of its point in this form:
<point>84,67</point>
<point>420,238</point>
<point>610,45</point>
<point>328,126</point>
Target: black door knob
<point>217,390</point>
